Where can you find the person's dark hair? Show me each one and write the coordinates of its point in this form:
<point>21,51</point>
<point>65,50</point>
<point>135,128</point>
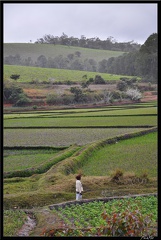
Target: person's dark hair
<point>78,177</point>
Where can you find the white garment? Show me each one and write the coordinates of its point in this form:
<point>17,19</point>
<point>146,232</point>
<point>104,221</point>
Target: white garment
<point>79,189</point>
<point>78,196</point>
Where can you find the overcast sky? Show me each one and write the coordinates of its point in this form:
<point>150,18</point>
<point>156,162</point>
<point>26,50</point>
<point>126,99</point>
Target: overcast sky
<point>123,21</point>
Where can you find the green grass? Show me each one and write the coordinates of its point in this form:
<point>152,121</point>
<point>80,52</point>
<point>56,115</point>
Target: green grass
<point>17,185</point>
<point>28,74</point>
<point>82,122</point>
<point>90,112</point>
<point>134,109</point>
<point>108,112</point>
<point>136,155</point>
<point>38,164</point>
<point>77,122</point>
<point>38,189</point>
<point>26,50</point>
<point>20,160</point>
<point>12,222</point>
<point>60,137</point>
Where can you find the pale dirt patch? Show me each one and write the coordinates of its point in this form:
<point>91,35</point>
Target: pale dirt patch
<point>28,226</point>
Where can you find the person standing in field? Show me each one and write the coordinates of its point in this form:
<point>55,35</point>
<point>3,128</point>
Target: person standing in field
<point>79,187</point>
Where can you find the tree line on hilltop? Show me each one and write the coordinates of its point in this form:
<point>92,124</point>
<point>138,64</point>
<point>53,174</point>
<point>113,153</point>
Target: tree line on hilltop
<point>142,62</point>
<point>95,42</point>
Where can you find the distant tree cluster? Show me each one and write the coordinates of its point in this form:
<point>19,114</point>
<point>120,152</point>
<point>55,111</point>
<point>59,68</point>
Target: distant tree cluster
<point>73,61</point>
<point>141,63</point>
<point>95,42</point>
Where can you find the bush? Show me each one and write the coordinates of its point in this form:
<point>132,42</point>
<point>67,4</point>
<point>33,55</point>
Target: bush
<point>116,95</point>
<point>22,100</point>
<point>52,99</point>
<point>121,85</point>
<point>134,94</point>
<point>68,99</point>
<point>99,80</point>
<point>78,94</point>
<point>15,76</point>
<point>127,223</point>
<point>11,91</point>
<point>35,107</point>
<point>14,94</point>
<point>116,175</point>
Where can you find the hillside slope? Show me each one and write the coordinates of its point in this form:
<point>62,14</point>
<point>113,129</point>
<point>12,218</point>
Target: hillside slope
<point>26,50</point>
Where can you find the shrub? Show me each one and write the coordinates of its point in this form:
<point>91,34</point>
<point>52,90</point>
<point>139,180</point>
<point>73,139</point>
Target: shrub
<point>68,99</point>
<point>116,95</point>
<point>116,175</point>
<point>127,223</point>
<point>35,107</point>
<point>15,76</point>
<point>52,99</point>
<point>134,94</point>
<point>99,80</point>
<point>121,85</point>
<point>22,100</point>
<point>11,91</point>
<point>78,94</point>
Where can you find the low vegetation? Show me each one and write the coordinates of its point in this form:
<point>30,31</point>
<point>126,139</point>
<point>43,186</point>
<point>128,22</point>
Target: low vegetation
<point>62,136</point>
<point>124,157</point>
<point>123,217</point>
<point>53,75</point>
<point>38,183</point>
<point>12,221</point>
<point>33,51</point>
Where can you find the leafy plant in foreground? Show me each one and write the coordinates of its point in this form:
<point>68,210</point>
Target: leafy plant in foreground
<point>112,218</point>
<point>127,223</point>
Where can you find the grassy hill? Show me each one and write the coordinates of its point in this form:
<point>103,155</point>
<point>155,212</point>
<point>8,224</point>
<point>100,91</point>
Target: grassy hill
<point>29,74</point>
<point>26,50</point>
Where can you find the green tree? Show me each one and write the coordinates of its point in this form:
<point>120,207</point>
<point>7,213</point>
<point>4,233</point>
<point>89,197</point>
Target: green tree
<point>41,61</point>
<point>78,94</point>
<point>15,76</point>
<point>22,100</point>
<point>148,58</point>
<point>14,94</point>
<point>99,80</point>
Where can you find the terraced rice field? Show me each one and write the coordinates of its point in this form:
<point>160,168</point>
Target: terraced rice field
<point>60,137</point>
